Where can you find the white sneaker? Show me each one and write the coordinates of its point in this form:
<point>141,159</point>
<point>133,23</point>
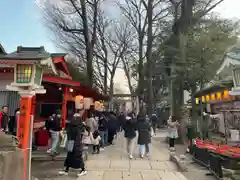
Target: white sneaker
<point>146,154</point>
<point>49,151</point>
<point>63,173</point>
<point>130,156</point>
<point>141,156</point>
<point>82,173</point>
<point>101,149</point>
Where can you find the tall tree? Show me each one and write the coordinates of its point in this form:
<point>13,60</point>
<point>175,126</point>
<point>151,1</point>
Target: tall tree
<point>74,23</point>
<point>186,14</point>
<point>140,14</point>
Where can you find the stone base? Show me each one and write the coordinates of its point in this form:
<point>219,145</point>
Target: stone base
<point>46,157</point>
<point>11,165</point>
<point>180,162</point>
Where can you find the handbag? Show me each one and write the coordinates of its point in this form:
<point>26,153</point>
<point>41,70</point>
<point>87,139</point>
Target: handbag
<point>64,141</point>
<point>151,132</point>
<point>70,145</point>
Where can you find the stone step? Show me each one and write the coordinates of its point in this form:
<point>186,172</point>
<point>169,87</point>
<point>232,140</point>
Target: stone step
<point>41,156</point>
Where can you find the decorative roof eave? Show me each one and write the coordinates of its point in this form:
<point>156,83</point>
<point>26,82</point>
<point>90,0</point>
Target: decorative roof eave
<point>228,62</point>
<point>221,85</point>
<point>29,55</point>
<point>61,58</point>
<point>231,58</point>
<point>2,50</point>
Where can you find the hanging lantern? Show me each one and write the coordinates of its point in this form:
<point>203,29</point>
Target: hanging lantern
<point>79,102</point>
<point>203,99</point>
<point>97,105</point>
<point>87,102</point>
<point>207,98</point>
<point>197,100</point>
<point>219,96</point>
<point>225,94</point>
<point>213,97</point>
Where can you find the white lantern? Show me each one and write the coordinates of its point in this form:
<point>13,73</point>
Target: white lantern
<point>88,102</point>
<point>79,102</point>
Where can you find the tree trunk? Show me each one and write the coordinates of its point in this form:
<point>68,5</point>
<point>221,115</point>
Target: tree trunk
<point>105,76</point>
<point>89,52</point>
<point>140,87</point>
<point>149,57</point>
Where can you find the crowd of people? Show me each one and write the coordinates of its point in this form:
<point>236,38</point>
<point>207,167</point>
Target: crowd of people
<point>98,131</point>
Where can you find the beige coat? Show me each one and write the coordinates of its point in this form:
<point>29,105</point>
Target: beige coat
<point>92,124</point>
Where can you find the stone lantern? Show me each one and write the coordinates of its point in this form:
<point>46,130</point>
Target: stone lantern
<point>29,64</point>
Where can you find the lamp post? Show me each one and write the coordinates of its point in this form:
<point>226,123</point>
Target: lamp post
<point>28,66</point>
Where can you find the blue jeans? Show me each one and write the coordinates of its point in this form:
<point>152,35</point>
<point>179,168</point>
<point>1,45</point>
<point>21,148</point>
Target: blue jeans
<point>54,141</point>
<point>104,137</point>
<point>144,149</point>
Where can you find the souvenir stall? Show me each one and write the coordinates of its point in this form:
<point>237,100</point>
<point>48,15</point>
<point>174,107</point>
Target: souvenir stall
<point>222,100</point>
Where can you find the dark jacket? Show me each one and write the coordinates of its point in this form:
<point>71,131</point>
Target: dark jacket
<point>74,159</point>
<point>143,127</point>
<point>102,123</point>
<point>154,118</point>
<point>4,120</point>
<point>130,129</point>
<point>112,123</point>
<point>55,124</point>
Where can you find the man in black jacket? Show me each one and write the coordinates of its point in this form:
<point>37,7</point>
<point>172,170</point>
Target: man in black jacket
<point>4,118</point>
<point>55,128</point>
<point>103,130</point>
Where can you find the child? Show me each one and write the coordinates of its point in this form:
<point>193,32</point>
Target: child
<point>173,125</point>
<point>95,138</point>
<point>86,139</point>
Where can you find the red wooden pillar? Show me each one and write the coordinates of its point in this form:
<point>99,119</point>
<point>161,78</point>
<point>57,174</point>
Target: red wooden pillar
<point>33,105</point>
<point>64,106</point>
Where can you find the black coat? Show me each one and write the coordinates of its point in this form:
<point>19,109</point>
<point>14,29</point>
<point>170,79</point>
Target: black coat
<point>74,159</point>
<point>129,129</point>
<point>143,127</point>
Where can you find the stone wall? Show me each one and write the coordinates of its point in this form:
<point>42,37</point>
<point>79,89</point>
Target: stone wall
<point>11,165</point>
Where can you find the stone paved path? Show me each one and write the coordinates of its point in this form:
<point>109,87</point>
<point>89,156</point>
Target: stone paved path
<point>113,164</point>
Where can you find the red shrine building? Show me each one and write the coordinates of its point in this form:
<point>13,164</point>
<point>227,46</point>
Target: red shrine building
<point>62,91</point>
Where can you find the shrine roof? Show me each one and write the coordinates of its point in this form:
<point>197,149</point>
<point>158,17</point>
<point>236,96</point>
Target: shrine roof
<point>2,50</point>
<point>27,53</point>
<point>220,85</point>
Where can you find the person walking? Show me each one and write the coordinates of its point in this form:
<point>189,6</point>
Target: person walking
<point>91,122</point>
<point>144,135</point>
<point>55,128</point>
<point>4,119</point>
<point>173,125</point>
<point>103,130</point>
<point>112,127</point>
<point>74,157</point>
<point>129,127</point>
<point>154,121</point>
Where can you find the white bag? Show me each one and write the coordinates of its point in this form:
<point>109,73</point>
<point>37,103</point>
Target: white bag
<point>64,140</point>
<point>151,132</point>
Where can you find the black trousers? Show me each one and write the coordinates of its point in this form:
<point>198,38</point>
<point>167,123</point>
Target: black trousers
<point>154,126</point>
<point>171,142</point>
<point>111,134</point>
<point>96,148</point>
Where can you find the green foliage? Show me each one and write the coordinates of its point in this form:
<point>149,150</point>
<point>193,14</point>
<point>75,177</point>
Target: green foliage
<point>76,74</point>
<point>203,48</point>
